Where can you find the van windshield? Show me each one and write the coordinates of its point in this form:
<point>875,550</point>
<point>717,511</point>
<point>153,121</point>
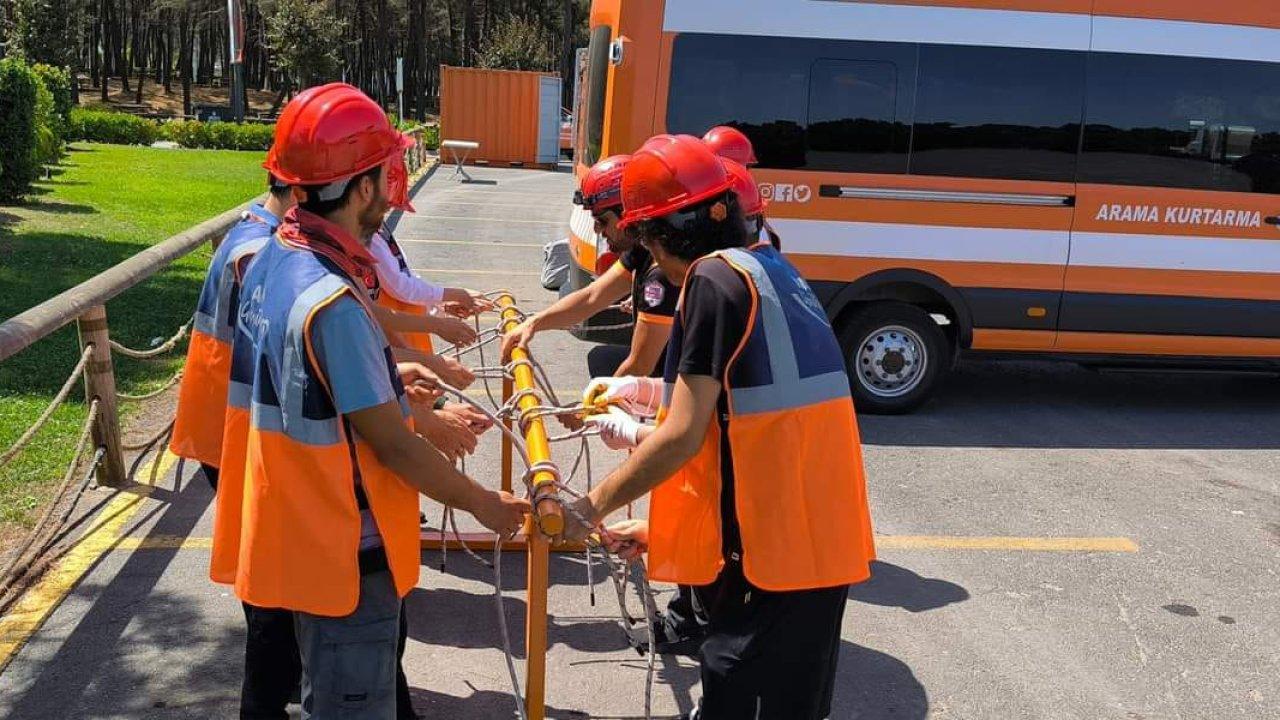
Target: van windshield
<point>592,125</point>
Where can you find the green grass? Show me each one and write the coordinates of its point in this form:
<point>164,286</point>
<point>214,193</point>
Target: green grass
<point>104,204</point>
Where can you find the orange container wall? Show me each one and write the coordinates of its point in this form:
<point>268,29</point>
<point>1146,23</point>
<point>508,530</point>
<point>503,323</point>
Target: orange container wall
<point>496,108</point>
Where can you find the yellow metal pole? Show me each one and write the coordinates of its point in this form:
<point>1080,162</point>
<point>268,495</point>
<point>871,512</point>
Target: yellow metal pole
<point>547,517</point>
<point>506,439</point>
<point>547,512</point>
<point>535,631</point>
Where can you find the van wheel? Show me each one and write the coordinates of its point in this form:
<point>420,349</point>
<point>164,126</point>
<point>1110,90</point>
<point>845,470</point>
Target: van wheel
<point>895,355</point>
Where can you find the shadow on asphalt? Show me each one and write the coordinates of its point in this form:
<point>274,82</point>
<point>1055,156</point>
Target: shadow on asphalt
<point>448,617</point>
<point>153,620</point>
<point>894,586</point>
<point>1063,405</point>
<point>871,685</point>
<point>479,705</point>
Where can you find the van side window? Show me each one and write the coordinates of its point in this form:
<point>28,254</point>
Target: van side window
<point>990,112</point>
<point>1182,123</point>
<point>597,83</point>
<point>855,120</point>
<point>758,85</point>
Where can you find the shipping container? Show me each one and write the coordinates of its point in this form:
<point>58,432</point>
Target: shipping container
<point>514,115</point>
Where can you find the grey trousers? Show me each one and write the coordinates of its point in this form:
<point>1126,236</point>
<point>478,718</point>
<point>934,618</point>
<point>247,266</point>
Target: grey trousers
<point>349,663</point>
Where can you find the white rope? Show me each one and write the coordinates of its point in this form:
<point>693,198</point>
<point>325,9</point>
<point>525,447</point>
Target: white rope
<point>161,349</point>
<point>23,440</point>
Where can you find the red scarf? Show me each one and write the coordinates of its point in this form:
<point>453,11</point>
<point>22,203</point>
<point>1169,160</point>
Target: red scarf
<point>308,231</point>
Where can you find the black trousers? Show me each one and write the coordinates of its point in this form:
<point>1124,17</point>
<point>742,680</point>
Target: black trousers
<point>210,474</point>
<point>685,619</point>
<point>272,668</point>
<point>768,655</point>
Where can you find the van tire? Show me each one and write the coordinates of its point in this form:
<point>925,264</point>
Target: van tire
<point>895,355</point>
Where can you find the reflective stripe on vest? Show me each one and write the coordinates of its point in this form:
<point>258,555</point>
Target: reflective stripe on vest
<point>799,489</point>
<point>202,395</point>
<point>287,525</point>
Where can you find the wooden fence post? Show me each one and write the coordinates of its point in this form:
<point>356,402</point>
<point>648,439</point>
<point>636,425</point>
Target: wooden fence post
<point>100,383</point>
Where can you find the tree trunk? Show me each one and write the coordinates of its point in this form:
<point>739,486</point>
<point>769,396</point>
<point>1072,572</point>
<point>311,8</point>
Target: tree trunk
<point>120,39</point>
<point>566,55</point>
<point>104,16</point>
<point>186,36</point>
<point>168,54</point>
<point>140,51</point>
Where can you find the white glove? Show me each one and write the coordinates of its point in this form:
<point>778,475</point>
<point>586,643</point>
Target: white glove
<point>639,396</point>
<point>619,430</point>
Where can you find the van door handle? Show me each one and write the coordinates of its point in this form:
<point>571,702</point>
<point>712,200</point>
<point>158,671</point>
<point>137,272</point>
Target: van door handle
<point>1272,220</point>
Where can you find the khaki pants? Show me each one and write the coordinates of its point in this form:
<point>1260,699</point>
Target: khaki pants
<point>349,663</point>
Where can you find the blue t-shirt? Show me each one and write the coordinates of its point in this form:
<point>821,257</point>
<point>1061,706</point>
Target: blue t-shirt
<point>349,350</point>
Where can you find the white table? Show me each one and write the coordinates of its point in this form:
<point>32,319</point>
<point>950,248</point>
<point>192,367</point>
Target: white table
<point>458,151</point>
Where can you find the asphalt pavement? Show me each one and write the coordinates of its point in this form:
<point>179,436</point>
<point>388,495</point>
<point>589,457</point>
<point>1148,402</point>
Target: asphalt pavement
<point>1055,543</point>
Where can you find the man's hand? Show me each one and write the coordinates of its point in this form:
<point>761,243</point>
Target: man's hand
<point>520,336</point>
<point>637,395</point>
<point>451,371</point>
<point>627,306</point>
<point>628,539</point>
<point>463,303</point>
<point>420,384</point>
<point>574,530</point>
<point>454,331</point>
<point>450,434</point>
<point>476,420</point>
<point>619,430</point>
<point>500,512</point>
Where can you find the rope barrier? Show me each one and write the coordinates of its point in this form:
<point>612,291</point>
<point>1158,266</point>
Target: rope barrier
<point>149,441</point>
<point>154,393</point>
<point>161,349</point>
<point>58,399</point>
<point>20,562</point>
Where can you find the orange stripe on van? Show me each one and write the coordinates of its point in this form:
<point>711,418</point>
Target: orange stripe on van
<point>987,339</point>
<point>954,214</point>
<point>1185,283</point>
<point>582,252</point>
<point>956,273</point>
<point>1095,203</point>
<point>1126,344</point>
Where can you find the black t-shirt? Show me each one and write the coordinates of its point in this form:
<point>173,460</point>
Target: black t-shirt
<point>652,295</point>
<point>717,305</point>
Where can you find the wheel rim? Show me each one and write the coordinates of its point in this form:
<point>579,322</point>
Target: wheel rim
<point>891,361</point>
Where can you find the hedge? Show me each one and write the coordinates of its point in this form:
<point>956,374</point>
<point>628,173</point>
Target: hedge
<point>112,127</point>
<point>108,126</point>
<point>58,82</point>
<point>19,163</point>
<point>124,129</point>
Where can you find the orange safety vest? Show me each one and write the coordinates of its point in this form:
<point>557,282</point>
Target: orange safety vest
<point>202,396</point>
<point>799,490</point>
<point>295,475</point>
<point>417,341</point>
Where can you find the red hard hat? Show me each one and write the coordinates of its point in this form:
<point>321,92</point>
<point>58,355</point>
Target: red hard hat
<point>744,186</point>
<point>398,185</point>
<point>602,185</point>
<point>668,174</point>
<point>729,142</point>
<point>331,133</point>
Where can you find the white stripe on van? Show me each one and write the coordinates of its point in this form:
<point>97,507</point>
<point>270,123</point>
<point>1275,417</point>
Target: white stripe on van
<point>840,20</point>
<point>833,20</point>
<point>922,242</point>
<point>1043,247</point>
<point>1185,39</point>
<point>1175,252</point>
